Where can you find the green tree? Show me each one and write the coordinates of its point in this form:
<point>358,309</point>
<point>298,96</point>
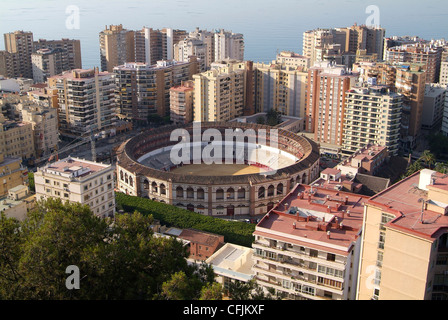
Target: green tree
<point>260,120</point>
<point>273,117</point>
<point>211,291</point>
<point>117,258</point>
<point>428,158</point>
<point>10,252</point>
<point>31,181</point>
<point>238,290</point>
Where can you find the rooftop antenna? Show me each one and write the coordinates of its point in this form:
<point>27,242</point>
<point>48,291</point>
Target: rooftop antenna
<point>421,200</point>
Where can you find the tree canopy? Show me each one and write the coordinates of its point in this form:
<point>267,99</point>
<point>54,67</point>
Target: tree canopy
<point>117,258</point>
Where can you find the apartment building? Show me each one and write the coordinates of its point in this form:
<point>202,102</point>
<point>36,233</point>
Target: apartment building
<point>44,123</point>
<point>17,62</point>
<point>152,45</point>
<point>229,45</point>
<point>44,95</point>
<point>341,44</point>
<point>48,63</point>
<point>372,116</point>
<point>366,160</point>
<point>325,101</point>
<point>292,59</point>
<point>181,103</point>
<point>86,101</point>
<point>71,50</point>
<point>410,82</point>
<point>208,39</point>
<point>220,94</point>
<point>116,47</point>
<point>188,47</point>
<point>444,128</point>
<point>362,37</point>
<point>307,246</point>
<point>407,80</point>
<point>443,80</point>
<point>15,85</point>
<point>396,41</point>
<point>17,202</point>
<point>433,105</point>
<point>78,181</point>
<point>427,54</point>
<point>404,253</point>
<point>12,173</point>
<point>142,89</point>
<point>281,86</point>
<point>16,139</point>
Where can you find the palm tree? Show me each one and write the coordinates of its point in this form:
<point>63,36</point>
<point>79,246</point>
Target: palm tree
<point>428,158</point>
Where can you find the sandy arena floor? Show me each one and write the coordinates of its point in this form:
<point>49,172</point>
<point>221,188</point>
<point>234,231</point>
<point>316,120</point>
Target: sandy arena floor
<point>217,169</point>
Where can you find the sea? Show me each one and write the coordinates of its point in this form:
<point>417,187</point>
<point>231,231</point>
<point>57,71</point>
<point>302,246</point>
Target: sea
<point>268,26</point>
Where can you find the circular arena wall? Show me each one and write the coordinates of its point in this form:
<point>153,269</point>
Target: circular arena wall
<point>144,169</point>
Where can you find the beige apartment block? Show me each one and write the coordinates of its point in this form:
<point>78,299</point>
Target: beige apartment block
<point>20,44</point>
<point>18,202</point>
<point>12,174</point>
<point>16,139</point>
<point>77,180</point>
<point>405,241</point>
<point>117,46</point>
<point>292,59</point>
<point>281,86</point>
<point>44,121</point>
<point>220,93</point>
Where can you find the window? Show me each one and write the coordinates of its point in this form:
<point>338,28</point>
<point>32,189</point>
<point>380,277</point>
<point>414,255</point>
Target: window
<point>385,218</point>
<point>331,257</point>
<point>379,259</point>
<point>313,253</point>
<point>381,240</point>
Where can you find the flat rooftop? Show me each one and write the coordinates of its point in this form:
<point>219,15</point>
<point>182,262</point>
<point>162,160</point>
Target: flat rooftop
<point>233,261</point>
<point>404,200</point>
<point>307,213</point>
<point>74,167</point>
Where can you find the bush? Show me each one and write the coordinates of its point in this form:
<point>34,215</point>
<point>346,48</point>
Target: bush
<point>236,232</point>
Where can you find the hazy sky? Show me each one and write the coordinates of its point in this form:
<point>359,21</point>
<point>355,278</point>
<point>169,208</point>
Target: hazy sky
<point>267,26</point>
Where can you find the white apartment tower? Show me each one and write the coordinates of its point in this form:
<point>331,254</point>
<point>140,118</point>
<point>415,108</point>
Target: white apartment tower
<point>86,101</point>
<point>229,45</point>
<point>372,116</point>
